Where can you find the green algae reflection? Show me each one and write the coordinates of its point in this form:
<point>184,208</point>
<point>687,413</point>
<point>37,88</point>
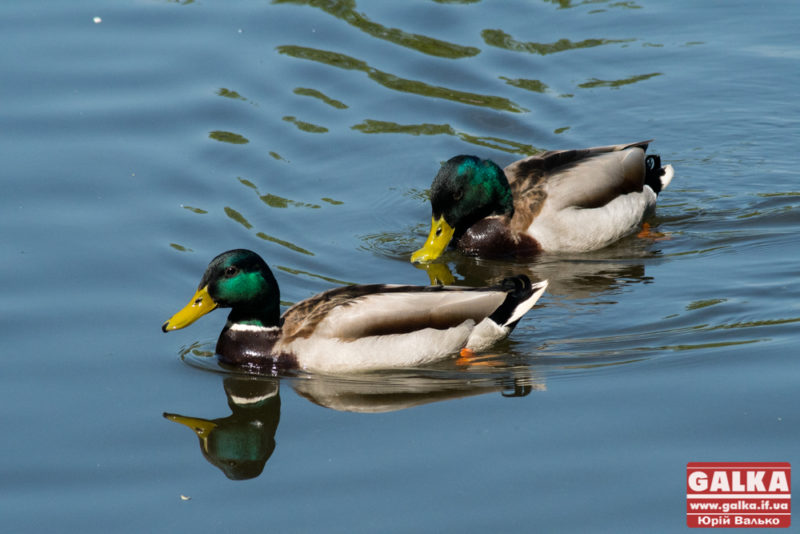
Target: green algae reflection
<point>305,126</point>
<point>535,86</point>
<point>313,275</point>
<point>194,210</point>
<point>390,81</point>
<point>275,201</point>
<point>501,39</point>
<point>616,84</point>
<point>283,243</point>
<point>345,10</point>
<point>227,93</point>
<point>373,126</point>
<point>304,91</point>
<point>566,4</point>
<point>700,304</point>
<point>370,126</point>
<point>239,218</point>
<point>228,137</point>
<point>529,85</point>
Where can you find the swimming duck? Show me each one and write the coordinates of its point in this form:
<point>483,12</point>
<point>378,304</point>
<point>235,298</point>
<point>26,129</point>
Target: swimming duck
<point>351,328</point>
<point>559,201</point>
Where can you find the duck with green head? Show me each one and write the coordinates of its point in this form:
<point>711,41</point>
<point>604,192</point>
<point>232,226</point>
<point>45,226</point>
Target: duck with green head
<point>351,328</point>
<point>559,201</point>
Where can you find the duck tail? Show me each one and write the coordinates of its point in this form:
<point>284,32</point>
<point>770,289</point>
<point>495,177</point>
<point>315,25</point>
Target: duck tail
<point>657,177</point>
<point>520,298</point>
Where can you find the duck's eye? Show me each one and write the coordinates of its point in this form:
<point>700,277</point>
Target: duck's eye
<point>231,271</point>
<point>458,195</point>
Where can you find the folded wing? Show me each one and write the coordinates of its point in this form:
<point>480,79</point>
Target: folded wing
<point>355,312</point>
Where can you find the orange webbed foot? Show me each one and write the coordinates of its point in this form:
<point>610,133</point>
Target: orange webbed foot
<point>468,358</point>
<point>648,233</point>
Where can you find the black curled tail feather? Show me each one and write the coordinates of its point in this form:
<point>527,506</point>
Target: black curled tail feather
<point>518,289</point>
<point>653,172</point>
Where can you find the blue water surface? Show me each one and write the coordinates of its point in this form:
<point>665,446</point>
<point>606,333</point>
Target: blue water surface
<point>140,138</point>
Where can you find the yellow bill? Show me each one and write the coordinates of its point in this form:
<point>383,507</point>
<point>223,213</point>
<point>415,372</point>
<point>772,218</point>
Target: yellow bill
<point>201,304</point>
<point>201,427</point>
<point>438,273</point>
<point>438,239</point>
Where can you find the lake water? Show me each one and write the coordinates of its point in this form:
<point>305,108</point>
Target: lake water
<point>141,138</point>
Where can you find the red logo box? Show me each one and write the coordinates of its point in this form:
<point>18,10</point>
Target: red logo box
<point>738,494</point>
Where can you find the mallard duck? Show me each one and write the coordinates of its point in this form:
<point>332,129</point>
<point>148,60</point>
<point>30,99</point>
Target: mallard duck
<point>349,328</point>
<point>559,201</point>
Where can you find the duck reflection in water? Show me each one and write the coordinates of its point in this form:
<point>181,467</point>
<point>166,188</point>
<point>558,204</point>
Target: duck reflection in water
<point>240,444</point>
<point>568,278</point>
<point>383,392</point>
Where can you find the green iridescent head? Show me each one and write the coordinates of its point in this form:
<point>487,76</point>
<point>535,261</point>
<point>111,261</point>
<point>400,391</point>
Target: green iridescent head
<point>465,190</point>
<point>237,279</point>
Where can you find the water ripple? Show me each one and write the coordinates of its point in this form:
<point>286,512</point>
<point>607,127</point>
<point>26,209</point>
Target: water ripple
<point>345,10</point>
<point>396,83</point>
